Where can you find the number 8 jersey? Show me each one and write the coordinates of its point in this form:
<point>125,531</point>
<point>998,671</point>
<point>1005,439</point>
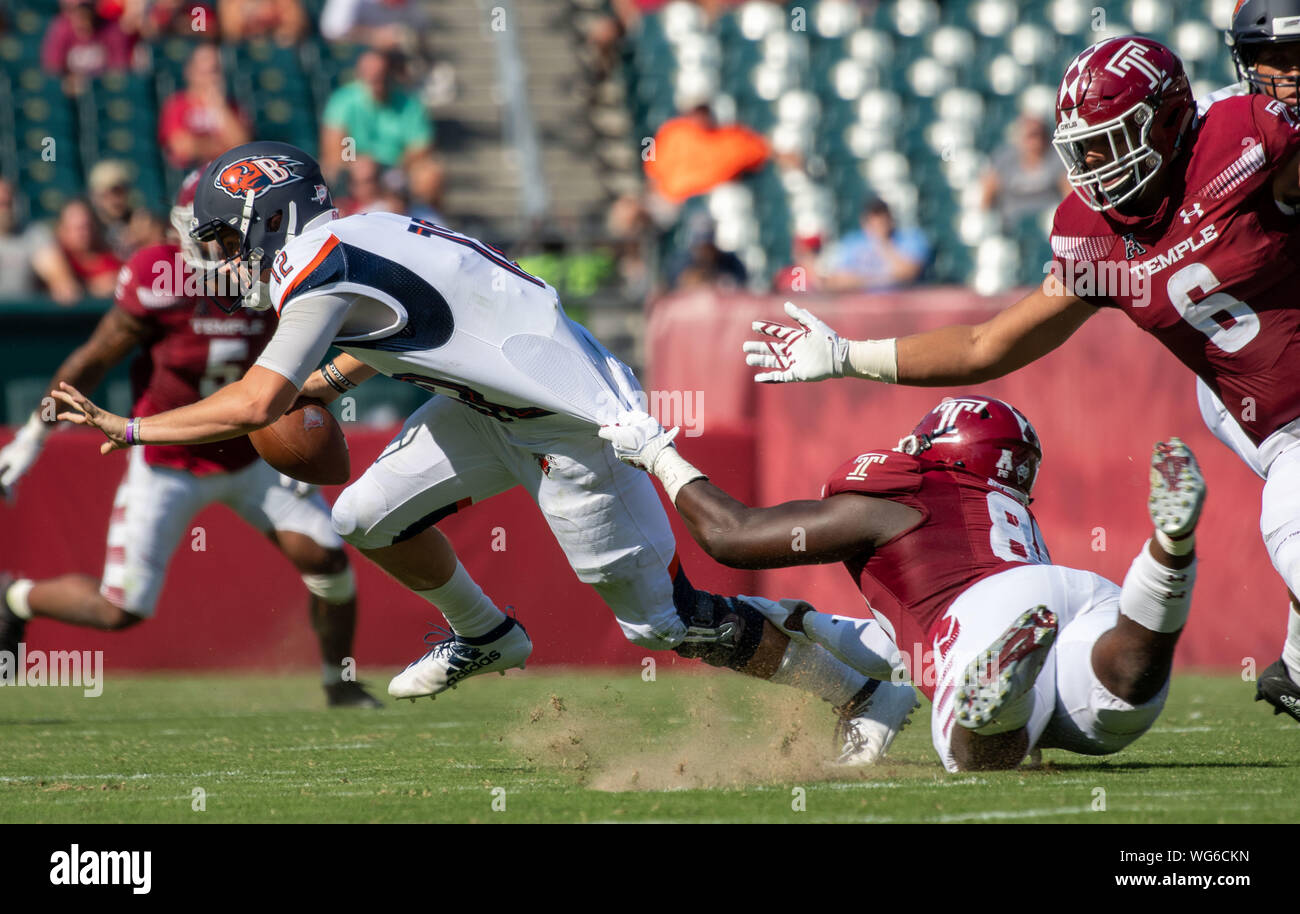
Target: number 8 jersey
<point>1214,272</point>
<point>971,529</point>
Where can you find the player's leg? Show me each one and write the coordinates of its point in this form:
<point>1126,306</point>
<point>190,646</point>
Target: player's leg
<point>1279,521</point>
<point>150,512</point>
<point>608,519</point>
<point>1220,421</point>
<point>296,519</point>
<point>1115,656</point>
<point>443,459</point>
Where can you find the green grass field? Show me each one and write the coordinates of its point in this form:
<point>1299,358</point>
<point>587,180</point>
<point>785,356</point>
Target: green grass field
<point>579,747</point>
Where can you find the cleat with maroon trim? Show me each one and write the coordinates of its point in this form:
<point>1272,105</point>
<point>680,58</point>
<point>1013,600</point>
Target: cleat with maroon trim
<point>1177,489</point>
<point>1007,670</point>
<point>454,659</point>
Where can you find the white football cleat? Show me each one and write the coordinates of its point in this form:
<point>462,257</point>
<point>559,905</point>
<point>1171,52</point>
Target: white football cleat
<point>1177,489</point>
<point>1006,671</point>
<point>455,659</point>
<point>869,724</point>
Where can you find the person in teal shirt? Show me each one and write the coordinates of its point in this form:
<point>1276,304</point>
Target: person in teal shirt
<point>381,120</point>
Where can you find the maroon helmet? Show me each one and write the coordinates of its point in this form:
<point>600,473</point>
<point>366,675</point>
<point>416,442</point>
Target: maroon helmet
<point>983,435</point>
<point>1129,99</point>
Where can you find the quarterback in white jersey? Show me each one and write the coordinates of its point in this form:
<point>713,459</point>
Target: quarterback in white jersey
<point>519,392</point>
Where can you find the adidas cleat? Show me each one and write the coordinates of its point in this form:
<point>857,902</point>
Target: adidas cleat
<point>1276,687</point>
<point>350,694</point>
<point>869,723</point>
<point>1006,671</point>
<point>455,659</point>
<point>1177,489</point>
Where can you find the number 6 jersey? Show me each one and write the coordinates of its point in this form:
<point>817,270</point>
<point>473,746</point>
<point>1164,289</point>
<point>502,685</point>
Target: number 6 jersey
<point>1214,272</point>
<point>971,529</point>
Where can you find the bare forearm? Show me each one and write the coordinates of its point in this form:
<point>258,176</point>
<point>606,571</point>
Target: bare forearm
<point>947,357</point>
<point>253,402</point>
<point>353,370</point>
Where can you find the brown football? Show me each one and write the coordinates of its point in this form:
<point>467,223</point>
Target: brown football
<point>306,443</point>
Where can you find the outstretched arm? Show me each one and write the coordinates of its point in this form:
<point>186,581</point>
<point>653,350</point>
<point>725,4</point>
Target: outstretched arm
<point>949,356</point>
<point>793,533</point>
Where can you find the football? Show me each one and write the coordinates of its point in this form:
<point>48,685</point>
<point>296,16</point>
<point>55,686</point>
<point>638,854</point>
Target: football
<point>306,443</point>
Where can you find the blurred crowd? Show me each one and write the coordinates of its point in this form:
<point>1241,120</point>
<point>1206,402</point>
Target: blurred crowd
<point>377,143</point>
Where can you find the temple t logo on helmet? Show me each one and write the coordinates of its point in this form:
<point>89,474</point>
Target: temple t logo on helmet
<point>982,435</point>
<point>256,173</point>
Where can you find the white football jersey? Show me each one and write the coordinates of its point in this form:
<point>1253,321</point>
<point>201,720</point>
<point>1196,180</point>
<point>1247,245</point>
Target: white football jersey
<point>453,315</point>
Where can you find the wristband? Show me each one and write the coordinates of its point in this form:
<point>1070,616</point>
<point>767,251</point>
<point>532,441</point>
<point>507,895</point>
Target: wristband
<point>335,378</point>
<point>875,360</point>
<point>674,472</point>
<point>129,434</point>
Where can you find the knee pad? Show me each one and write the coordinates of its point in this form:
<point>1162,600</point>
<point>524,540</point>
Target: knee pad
<point>721,631</point>
<point>332,588</point>
<point>353,520</point>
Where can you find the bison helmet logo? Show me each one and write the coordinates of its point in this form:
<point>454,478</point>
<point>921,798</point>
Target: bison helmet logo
<point>256,173</point>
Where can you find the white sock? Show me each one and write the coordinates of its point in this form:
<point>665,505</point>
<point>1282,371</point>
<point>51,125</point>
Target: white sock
<point>16,597</point>
<point>1156,597</point>
<point>861,643</point>
<point>1290,650</point>
<point>469,611</point>
<point>812,668</point>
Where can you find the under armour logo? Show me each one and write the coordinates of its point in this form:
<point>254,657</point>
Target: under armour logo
<point>1195,213</point>
<point>1132,248</point>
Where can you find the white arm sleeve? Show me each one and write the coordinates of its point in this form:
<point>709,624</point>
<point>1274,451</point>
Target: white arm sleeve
<point>306,331</point>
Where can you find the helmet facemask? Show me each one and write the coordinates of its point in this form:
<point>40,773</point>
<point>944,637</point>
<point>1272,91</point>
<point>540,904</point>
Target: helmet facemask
<point>1131,164</point>
<point>239,260</point>
<point>1245,57</point>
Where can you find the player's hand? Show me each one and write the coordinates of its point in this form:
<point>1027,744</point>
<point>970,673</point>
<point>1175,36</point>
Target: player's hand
<point>638,438</point>
<point>296,486</point>
<point>811,351</point>
<point>84,412</point>
<point>17,457</point>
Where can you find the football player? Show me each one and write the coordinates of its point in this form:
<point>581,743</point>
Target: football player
<point>1015,653</point>
<point>518,392</point>
<point>188,348</point>
<point>1195,223</point>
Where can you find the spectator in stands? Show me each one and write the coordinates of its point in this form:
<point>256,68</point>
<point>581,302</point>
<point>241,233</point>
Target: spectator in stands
<point>81,44</point>
<point>802,274</point>
<point>634,234</point>
<point>1026,177</point>
<point>156,19</point>
<point>18,248</point>
<point>80,262</point>
<point>379,118</point>
<point>703,263</point>
<point>283,21</point>
<point>200,121</point>
<point>879,256</point>
<point>386,25</point>
<point>424,183</point>
<point>364,188</point>
<point>110,195</point>
<point>693,154</point>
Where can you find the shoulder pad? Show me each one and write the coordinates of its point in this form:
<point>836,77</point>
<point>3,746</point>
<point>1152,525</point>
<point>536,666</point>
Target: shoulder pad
<point>881,473</point>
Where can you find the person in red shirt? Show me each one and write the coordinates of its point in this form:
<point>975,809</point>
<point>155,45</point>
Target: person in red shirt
<point>1187,225</point>
<point>200,122</point>
<point>81,44</point>
<point>1015,653</point>
<point>80,262</point>
<point>188,348</point>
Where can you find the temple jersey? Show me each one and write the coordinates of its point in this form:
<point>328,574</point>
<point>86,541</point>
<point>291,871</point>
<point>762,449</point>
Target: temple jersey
<point>193,348</point>
<point>1213,273</point>
<point>454,316</point>
<point>970,530</point>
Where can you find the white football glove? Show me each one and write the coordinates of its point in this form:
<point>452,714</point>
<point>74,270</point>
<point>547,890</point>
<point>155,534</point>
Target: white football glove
<point>296,486</point>
<point>811,351</point>
<point>17,457</point>
<point>638,439</point>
